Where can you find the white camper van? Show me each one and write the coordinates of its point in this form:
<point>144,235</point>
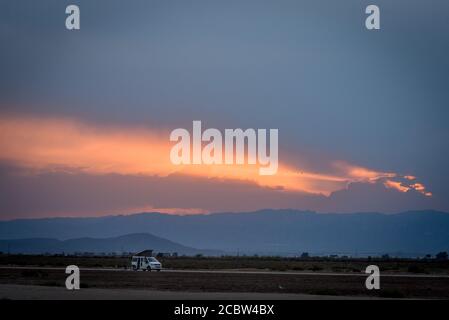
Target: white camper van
<point>145,263</point>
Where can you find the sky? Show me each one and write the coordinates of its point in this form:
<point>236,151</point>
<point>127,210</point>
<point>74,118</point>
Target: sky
<point>85,116</point>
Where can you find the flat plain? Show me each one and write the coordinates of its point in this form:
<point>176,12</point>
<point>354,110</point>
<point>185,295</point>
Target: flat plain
<point>228,277</point>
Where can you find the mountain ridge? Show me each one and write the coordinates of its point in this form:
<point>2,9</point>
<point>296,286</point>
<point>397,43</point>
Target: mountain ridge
<point>271,231</point>
<point>126,243</point>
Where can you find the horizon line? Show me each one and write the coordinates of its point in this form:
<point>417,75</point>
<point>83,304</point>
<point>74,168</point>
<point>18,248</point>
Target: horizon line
<point>221,212</point>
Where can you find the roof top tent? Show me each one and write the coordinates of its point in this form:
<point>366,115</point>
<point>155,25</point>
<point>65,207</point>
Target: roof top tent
<point>145,253</point>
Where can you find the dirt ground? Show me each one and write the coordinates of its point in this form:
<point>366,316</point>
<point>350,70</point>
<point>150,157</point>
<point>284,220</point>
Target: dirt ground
<point>350,265</point>
<point>233,282</point>
<point>27,292</point>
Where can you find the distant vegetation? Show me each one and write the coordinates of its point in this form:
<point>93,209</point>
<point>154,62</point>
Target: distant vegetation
<point>309,264</point>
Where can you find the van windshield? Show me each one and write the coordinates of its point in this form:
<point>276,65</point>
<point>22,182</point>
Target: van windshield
<point>152,259</point>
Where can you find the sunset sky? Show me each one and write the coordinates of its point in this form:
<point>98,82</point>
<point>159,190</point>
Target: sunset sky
<point>85,116</point>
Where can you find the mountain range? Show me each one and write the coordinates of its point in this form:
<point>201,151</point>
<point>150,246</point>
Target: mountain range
<point>282,232</point>
<point>128,243</point>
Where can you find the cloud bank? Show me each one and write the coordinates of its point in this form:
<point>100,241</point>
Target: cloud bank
<point>57,154</point>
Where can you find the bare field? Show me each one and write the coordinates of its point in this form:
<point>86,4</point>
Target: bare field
<point>323,277</point>
<point>407,266</point>
<point>223,281</point>
<point>28,292</point>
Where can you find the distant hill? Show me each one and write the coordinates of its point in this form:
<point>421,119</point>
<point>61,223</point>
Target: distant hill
<point>127,243</point>
<point>263,232</point>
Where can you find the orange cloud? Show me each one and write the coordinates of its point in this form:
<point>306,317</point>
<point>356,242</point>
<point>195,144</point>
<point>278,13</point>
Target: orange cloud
<point>361,174</point>
<point>58,143</point>
<point>42,143</point>
<point>150,208</point>
<point>421,188</point>
<point>396,185</point>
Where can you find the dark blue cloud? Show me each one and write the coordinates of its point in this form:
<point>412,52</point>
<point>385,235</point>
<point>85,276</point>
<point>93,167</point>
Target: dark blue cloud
<point>378,99</point>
